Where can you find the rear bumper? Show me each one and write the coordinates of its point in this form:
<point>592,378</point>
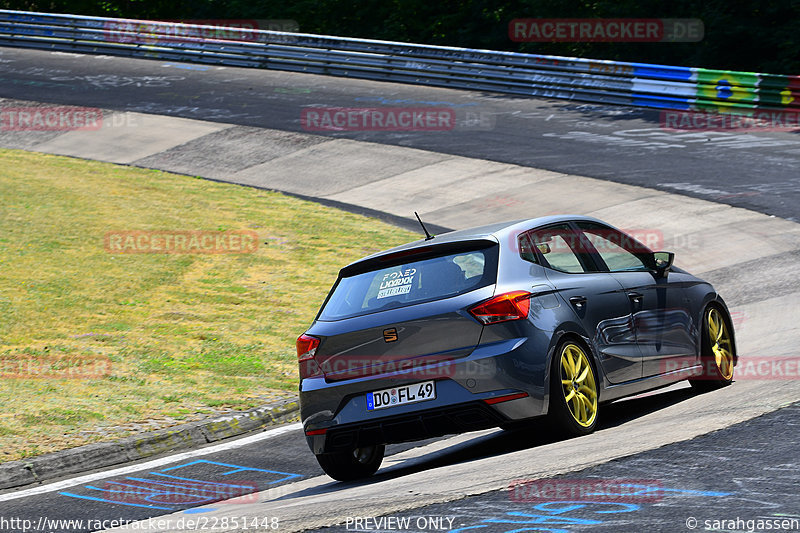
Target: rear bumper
<point>425,424</point>
<point>337,417</point>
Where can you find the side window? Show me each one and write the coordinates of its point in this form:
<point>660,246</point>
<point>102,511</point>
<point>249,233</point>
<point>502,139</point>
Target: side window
<point>526,248</point>
<point>620,252</point>
<point>559,248</point>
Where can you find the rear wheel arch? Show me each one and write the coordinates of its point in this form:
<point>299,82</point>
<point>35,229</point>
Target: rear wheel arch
<point>580,339</point>
<point>561,410</point>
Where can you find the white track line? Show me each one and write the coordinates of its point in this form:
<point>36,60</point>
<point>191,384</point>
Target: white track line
<point>151,464</point>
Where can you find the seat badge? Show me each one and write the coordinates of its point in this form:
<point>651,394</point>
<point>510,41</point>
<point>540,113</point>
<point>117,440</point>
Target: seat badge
<point>390,335</point>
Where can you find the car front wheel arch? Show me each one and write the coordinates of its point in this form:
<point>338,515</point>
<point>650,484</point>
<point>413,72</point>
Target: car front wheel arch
<point>717,349</point>
<point>573,407</point>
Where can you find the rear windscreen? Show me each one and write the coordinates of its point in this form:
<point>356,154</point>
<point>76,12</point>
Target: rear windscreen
<point>412,282</point>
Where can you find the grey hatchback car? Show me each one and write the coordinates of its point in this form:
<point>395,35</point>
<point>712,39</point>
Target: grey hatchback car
<point>498,325</point>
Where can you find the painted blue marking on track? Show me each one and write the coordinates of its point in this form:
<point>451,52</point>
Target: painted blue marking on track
<point>549,519</point>
<point>571,505</point>
<point>652,488</point>
<point>553,511</point>
<point>236,469</point>
<point>221,485</point>
<point>112,501</point>
<point>190,489</point>
<point>547,529</point>
<point>198,510</point>
<point>148,489</point>
<point>149,492</point>
<point>161,490</point>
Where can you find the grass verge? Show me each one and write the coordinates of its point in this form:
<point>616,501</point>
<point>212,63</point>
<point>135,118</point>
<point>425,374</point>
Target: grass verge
<point>94,344</point>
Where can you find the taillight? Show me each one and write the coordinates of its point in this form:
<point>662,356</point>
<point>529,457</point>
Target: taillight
<point>504,307</point>
<point>306,349</point>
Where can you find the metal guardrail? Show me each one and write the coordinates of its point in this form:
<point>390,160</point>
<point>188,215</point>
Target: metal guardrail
<point>598,81</point>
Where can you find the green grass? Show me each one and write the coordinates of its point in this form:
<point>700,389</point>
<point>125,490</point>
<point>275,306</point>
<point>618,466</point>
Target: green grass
<point>122,338</point>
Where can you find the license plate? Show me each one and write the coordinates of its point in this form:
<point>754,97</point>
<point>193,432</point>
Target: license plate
<point>418,392</point>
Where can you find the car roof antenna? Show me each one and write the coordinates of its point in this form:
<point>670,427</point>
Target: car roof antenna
<point>428,236</point>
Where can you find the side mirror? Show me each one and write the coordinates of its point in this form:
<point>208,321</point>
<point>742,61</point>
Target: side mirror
<point>663,262</point>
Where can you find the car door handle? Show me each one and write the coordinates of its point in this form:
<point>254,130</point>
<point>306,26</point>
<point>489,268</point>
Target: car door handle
<point>635,297</point>
<point>578,301</point>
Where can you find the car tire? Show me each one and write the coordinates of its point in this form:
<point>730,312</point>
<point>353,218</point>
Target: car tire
<point>574,394</point>
<point>718,354</point>
<point>354,464</point>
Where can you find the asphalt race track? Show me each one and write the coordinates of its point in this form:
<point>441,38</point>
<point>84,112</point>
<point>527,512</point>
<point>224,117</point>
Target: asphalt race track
<point>747,471</point>
<point>144,491</point>
<point>757,462</point>
<point>623,144</point>
<point>722,455</point>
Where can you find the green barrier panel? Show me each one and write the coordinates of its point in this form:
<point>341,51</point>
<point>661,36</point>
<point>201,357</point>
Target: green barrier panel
<point>725,90</point>
<point>779,91</point>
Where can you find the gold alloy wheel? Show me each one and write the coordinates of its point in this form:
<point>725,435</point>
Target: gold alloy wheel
<point>720,343</point>
<point>577,381</point>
